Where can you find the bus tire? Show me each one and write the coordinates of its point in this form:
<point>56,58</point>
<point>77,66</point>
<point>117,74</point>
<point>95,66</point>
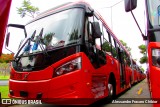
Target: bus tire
<point>110,90</point>
<point>111,87</point>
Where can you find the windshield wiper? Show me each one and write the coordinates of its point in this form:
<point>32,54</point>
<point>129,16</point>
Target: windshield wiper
<point>33,35</point>
<point>39,41</point>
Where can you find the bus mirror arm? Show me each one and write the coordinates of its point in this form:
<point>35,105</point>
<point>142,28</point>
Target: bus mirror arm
<point>129,6</point>
<point>18,26</point>
<point>143,36</point>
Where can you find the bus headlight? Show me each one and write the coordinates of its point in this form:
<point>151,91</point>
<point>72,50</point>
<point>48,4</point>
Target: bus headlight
<point>156,57</point>
<point>69,67</point>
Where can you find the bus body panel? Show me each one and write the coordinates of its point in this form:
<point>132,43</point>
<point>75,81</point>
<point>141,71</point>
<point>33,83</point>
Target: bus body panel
<point>4,14</point>
<point>88,82</point>
<point>153,72</point>
<point>72,85</point>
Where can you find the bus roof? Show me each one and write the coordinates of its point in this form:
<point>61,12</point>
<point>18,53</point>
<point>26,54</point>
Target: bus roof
<point>81,4</point>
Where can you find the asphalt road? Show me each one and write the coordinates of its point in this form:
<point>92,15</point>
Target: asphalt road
<point>138,92</point>
<point>3,82</point>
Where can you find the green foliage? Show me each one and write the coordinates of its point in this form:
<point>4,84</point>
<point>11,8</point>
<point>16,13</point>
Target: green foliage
<point>125,45</point>
<point>3,65</point>
<point>144,52</point>
<point>142,49</point>
<point>27,9</point>
<point>4,77</point>
<point>4,91</point>
<point>143,59</point>
<point>142,68</point>
<point>74,35</point>
<point>6,58</point>
<point>48,38</point>
<point>106,47</point>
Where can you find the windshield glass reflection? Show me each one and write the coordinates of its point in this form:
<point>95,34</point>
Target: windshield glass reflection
<point>57,30</point>
<point>154,12</point>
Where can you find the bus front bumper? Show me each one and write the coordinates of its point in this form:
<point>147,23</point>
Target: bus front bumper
<point>50,92</point>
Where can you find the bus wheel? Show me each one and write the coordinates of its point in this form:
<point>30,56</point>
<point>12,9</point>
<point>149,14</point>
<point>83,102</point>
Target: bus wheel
<point>110,90</point>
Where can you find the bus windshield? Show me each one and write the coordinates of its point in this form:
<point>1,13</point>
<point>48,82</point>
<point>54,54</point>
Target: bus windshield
<point>154,12</point>
<point>47,37</point>
<point>57,30</point>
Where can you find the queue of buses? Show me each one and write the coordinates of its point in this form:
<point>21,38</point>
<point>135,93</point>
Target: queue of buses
<point>70,56</point>
<point>152,38</point>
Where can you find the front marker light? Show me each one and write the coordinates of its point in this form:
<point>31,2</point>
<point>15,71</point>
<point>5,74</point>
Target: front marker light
<point>69,67</point>
<point>156,57</point>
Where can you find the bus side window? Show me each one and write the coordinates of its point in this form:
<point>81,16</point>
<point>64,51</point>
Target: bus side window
<point>86,30</point>
<point>97,45</point>
<point>114,50</point>
<point>99,41</point>
<point>106,46</point>
<point>128,61</point>
<point>125,57</point>
<point>91,42</point>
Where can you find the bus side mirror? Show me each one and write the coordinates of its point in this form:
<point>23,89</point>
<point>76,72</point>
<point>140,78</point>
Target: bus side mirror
<point>96,30</point>
<point>7,39</point>
<point>130,5</point>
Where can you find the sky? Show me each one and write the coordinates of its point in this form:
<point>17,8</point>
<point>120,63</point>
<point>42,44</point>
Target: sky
<point>121,23</point>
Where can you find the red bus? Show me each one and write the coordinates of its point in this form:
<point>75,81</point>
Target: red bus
<point>140,74</point>
<point>137,74</point>
<point>153,42</point>
<point>153,13</point>
<point>69,53</point>
<point>4,13</point>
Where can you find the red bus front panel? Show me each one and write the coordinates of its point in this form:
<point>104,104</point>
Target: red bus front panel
<point>154,70</point>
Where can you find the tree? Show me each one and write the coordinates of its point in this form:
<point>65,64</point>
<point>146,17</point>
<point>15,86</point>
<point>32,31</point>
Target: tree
<point>27,9</point>
<point>5,58</point>
<point>125,45</point>
<point>106,46</point>
<point>143,59</point>
<point>142,68</point>
<point>143,51</point>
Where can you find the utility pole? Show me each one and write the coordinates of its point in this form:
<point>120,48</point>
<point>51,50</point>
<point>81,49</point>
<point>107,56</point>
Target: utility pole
<point>111,11</point>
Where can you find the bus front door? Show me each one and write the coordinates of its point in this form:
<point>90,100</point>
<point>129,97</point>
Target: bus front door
<point>122,67</point>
